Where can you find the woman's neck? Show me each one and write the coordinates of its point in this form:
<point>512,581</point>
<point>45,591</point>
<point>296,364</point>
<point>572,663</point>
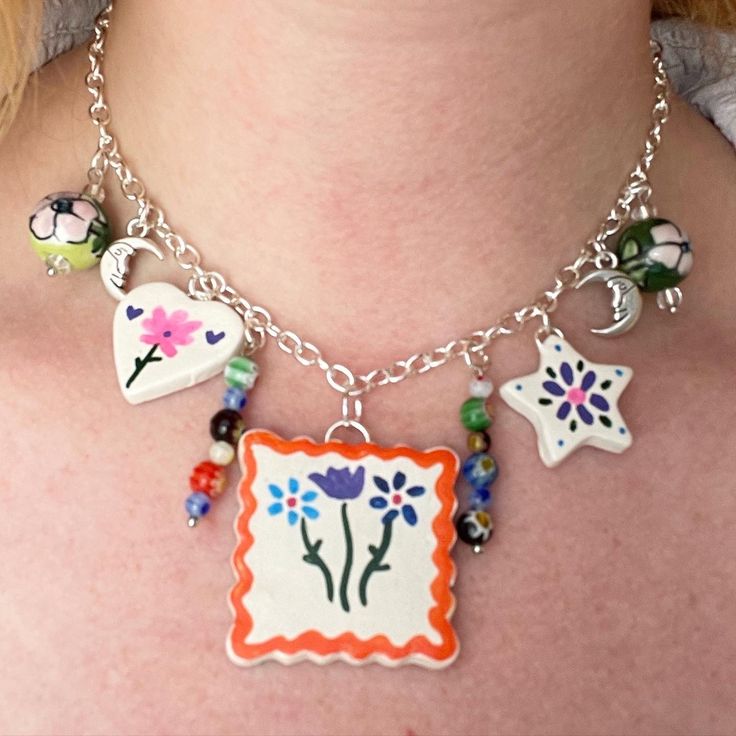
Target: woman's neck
<point>401,152</point>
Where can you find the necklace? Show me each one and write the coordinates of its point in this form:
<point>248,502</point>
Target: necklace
<point>359,535</point>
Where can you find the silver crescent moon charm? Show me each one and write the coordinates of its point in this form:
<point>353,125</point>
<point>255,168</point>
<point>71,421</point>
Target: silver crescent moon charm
<point>626,302</point>
<point>114,264</point>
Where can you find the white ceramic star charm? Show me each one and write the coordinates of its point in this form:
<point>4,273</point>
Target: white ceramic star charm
<point>571,402</point>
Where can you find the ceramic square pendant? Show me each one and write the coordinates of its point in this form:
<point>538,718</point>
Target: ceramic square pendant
<point>343,553</point>
<point>163,341</point>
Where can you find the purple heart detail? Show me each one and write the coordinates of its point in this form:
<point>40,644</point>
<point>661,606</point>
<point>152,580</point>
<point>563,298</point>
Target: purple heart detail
<point>214,337</point>
<point>132,312</point>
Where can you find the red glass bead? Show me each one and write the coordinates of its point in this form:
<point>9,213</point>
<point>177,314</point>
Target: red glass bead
<point>208,478</point>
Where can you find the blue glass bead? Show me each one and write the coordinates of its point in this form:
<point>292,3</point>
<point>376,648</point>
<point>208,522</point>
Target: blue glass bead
<point>480,470</point>
<point>480,498</point>
<point>234,398</point>
<point>197,504</point>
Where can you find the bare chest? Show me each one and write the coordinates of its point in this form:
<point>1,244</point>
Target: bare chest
<point>602,578</point>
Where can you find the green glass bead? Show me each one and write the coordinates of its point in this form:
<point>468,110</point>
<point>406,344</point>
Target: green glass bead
<point>69,231</point>
<point>241,372</point>
<point>655,254</point>
<point>474,415</point>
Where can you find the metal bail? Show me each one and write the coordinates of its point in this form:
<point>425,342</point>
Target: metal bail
<point>352,412</point>
<point>477,360</point>
<point>545,331</point>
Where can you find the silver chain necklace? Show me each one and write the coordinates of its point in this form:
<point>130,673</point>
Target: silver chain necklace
<point>360,535</point>
<point>205,284</point>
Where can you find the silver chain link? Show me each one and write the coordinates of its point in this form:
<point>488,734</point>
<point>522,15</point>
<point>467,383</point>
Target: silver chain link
<point>150,221</point>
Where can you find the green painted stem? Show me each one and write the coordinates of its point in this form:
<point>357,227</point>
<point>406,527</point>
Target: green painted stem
<point>376,562</point>
<point>348,558</point>
<point>312,557</point>
<point>141,363</point>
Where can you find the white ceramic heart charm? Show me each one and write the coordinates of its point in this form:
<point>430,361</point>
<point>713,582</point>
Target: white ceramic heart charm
<point>164,341</point>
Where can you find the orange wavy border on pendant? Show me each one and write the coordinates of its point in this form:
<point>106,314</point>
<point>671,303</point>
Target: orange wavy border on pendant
<point>312,644</point>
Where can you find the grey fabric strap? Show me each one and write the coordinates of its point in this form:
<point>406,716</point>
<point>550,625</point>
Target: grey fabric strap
<point>702,65</point>
<point>701,62</point>
<point>66,24</point>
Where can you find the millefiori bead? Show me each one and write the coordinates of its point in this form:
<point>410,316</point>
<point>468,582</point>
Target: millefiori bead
<point>474,527</point>
<point>479,441</point>
<point>480,470</point>
<point>222,453</point>
<point>241,372</point>
<point>234,398</point>
<point>208,478</point>
<point>480,388</point>
<point>226,426</point>
<point>197,505</point>
<point>474,415</point>
<point>480,498</point>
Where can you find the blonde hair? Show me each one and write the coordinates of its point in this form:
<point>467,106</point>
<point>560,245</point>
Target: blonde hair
<point>20,32</point>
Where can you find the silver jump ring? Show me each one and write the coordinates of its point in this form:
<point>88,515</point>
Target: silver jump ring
<point>352,408</point>
<point>544,332</point>
<point>347,424</point>
<point>605,259</point>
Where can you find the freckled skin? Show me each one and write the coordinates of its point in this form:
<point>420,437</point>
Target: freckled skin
<point>603,603</point>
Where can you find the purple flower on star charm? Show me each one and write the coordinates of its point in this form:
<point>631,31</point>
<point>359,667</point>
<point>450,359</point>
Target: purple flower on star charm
<point>575,390</point>
<point>340,483</point>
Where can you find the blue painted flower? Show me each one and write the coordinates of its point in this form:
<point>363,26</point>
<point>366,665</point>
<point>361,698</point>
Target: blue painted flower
<point>396,498</point>
<point>293,502</point>
<point>576,392</point>
<point>340,483</point>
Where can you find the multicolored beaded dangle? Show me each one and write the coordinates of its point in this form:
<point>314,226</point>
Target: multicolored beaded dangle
<point>474,525</point>
<point>207,480</point>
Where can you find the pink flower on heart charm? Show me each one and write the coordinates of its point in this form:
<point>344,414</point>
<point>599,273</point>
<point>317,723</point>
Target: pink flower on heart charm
<point>169,331</point>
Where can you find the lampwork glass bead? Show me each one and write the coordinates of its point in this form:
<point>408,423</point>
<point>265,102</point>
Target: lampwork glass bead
<point>197,505</point>
<point>69,231</point>
<point>208,477</point>
<point>481,389</point>
<point>655,254</point>
<point>234,398</point>
<point>474,527</point>
<point>480,498</point>
<point>241,372</point>
<point>221,453</point>
<point>226,426</point>
<point>474,415</point>
<point>479,441</point>
<point>480,470</point>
